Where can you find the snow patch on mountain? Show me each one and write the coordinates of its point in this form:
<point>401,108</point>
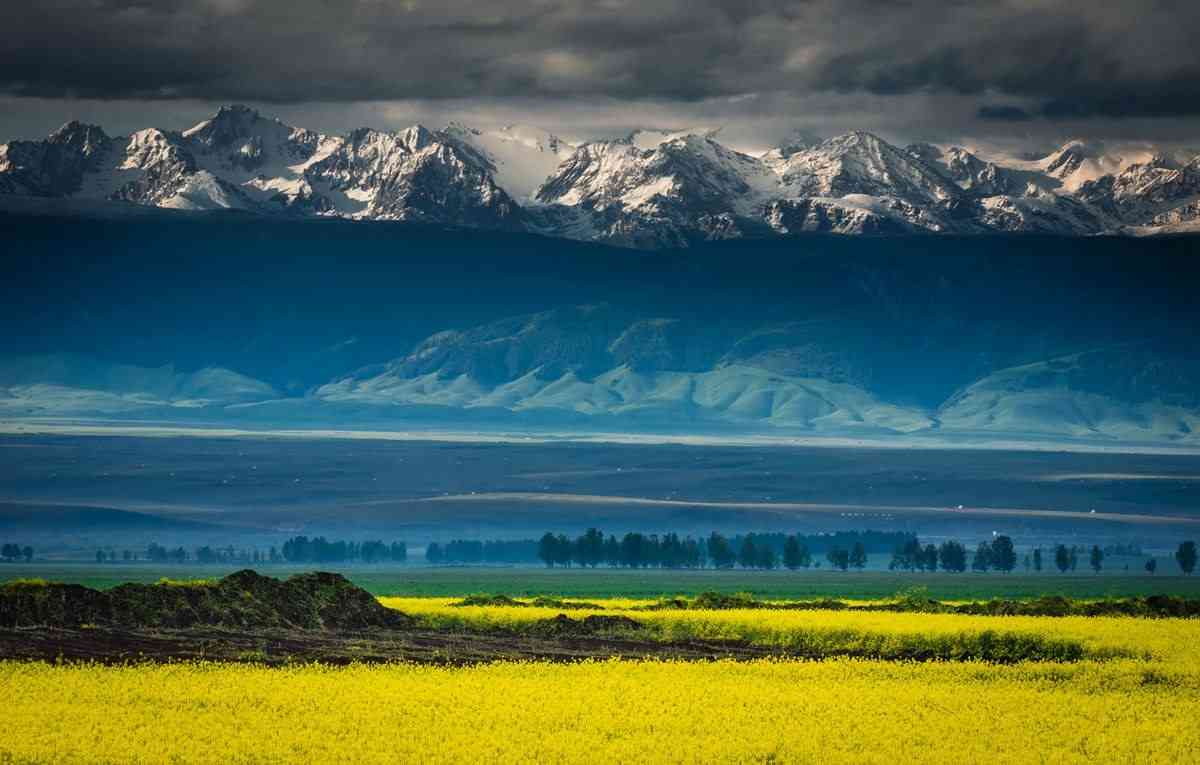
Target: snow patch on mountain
<point>524,156</point>
<point>648,139</point>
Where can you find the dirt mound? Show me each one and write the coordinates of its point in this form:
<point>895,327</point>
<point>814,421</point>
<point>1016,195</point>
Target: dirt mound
<point>538,602</point>
<point>60,605</point>
<point>916,601</point>
<point>567,605</point>
<point>715,601</point>
<point>564,626</point>
<point>488,600</point>
<point>1155,606</point>
<point>244,600</point>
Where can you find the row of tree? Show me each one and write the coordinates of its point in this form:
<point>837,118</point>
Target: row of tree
<point>1000,555</point>
<point>156,553</point>
<point>769,551</point>
<point>477,551</point>
<point>636,550</point>
<point>298,549</point>
<point>320,550</point>
<point>11,553</point>
<point>842,551</point>
<point>952,555</point>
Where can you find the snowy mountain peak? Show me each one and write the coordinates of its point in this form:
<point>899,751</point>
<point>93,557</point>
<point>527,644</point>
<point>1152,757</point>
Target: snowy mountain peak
<point>862,163</point>
<point>797,141</point>
<point>856,138</point>
<point>651,188</point>
<point>1076,162</point>
<point>229,124</point>
<point>416,137</point>
<point>1069,157</point>
<point>651,138</point>
<point>78,136</point>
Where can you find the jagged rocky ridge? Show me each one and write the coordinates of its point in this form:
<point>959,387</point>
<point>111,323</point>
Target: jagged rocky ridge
<point>648,190</point>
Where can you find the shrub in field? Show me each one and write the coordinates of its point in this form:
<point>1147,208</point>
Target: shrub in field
<point>1186,557</point>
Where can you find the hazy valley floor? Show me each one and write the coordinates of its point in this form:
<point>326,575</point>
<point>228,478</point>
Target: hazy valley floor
<point>194,490</point>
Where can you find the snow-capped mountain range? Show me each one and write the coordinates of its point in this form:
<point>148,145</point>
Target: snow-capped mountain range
<point>649,189</point>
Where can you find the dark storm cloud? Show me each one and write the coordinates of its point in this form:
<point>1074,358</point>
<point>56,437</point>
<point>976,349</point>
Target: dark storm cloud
<point>1064,59</point>
<point>1003,113</point>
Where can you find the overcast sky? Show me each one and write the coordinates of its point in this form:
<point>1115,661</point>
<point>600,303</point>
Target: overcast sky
<point>1009,71</point>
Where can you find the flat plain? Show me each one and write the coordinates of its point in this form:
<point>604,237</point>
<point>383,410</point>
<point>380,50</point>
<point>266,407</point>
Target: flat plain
<point>450,581</point>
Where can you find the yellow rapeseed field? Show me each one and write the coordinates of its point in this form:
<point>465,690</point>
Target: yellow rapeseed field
<point>1136,710</point>
<point>1161,638</point>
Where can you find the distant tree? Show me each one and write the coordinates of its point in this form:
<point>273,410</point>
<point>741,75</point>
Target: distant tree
<point>1152,565</point>
<point>10,552</point>
<point>806,558</point>
<point>1037,559</point>
<point>27,553</point>
<point>1074,557</point>
<point>765,557</point>
<point>631,550</point>
<point>858,556</point>
<point>1003,556</point>
<point>791,553</point>
<point>100,556</point>
<point>433,553</point>
<point>373,551</point>
<point>591,548</point>
<point>953,556</point>
<point>982,560</point>
<point>612,551</point>
<point>1096,559</point>
<point>1062,558</point>
<point>670,552</point>
<point>747,554</point>
<point>929,558</point>
<point>563,550</point>
<point>720,552</point>
<point>907,556</point>
<point>399,552</point>
<point>694,550</point>
<point>1186,557</point>
<point>838,558</point>
<point>1027,562</point>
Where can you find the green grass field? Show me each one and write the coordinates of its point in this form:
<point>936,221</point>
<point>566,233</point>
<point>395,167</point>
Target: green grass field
<point>603,582</point>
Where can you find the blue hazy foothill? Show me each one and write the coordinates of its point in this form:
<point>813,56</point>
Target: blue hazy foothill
<point>266,323</point>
